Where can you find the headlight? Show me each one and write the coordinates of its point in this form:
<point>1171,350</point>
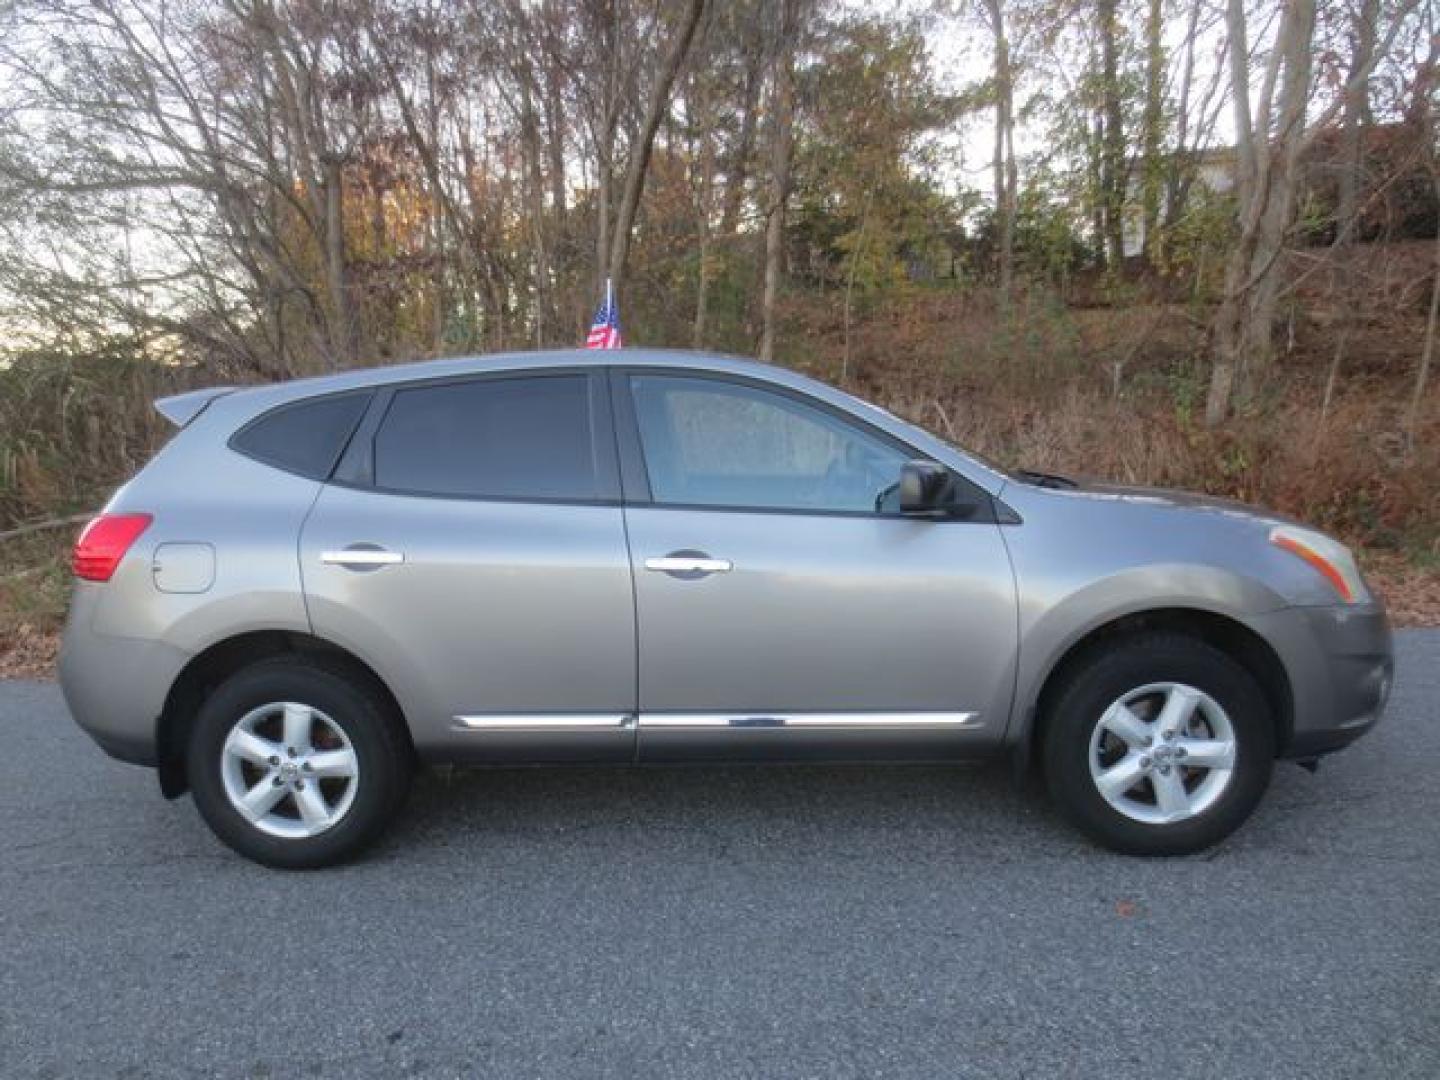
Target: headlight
<point>1330,558</point>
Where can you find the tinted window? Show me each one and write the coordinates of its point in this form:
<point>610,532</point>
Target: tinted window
<point>491,438</point>
<point>305,438</point>
<point>713,443</point>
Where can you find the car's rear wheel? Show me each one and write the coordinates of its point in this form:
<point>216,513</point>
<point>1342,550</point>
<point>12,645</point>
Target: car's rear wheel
<point>1158,745</point>
<point>296,765</point>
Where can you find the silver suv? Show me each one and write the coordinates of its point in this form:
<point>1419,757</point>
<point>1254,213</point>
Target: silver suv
<point>647,557</point>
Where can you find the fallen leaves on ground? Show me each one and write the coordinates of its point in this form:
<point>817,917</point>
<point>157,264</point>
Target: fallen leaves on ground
<point>1411,592</point>
<point>28,653</point>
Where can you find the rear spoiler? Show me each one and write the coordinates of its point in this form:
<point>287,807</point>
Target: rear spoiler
<point>180,409</point>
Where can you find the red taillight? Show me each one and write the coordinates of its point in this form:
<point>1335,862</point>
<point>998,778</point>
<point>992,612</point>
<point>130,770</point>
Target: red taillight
<point>104,543</point>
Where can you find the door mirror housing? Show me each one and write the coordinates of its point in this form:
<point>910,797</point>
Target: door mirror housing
<point>925,489</point>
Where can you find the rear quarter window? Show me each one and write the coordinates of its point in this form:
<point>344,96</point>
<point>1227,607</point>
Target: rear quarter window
<point>525,437</point>
<point>305,437</point>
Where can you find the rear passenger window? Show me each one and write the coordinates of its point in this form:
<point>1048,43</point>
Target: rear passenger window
<point>306,437</point>
<point>524,438</point>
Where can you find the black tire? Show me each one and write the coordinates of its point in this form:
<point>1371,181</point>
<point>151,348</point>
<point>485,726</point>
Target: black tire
<point>376,736</point>
<point>1110,672</point>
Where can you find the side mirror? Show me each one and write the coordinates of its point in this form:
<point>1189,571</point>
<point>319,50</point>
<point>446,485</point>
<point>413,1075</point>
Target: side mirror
<point>924,489</point>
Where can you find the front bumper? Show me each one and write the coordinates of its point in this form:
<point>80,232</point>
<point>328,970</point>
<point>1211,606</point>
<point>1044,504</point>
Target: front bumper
<point>115,686</point>
<point>1340,660</point>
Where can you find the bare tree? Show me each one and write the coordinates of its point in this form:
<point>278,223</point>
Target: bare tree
<point>1270,137</point>
<point>640,151</point>
<point>1356,116</point>
<point>1113,173</point>
<point>1003,162</point>
<point>227,119</point>
<point>701,117</point>
<point>751,43</point>
<point>1422,116</point>
<point>1152,126</point>
<point>788,14</point>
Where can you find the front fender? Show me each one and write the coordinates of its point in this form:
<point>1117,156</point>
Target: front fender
<point>1053,622</point>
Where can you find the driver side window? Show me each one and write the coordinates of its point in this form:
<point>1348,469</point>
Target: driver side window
<point>708,442</point>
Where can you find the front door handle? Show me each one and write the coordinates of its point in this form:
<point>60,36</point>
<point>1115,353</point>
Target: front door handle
<point>362,558</point>
<point>688,564</point>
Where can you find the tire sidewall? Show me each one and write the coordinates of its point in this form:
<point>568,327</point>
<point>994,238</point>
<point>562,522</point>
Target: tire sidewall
<point>381,773</point>
<point>1108,676</point>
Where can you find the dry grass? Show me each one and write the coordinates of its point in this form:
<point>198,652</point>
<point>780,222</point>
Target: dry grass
<point>34,589</point>
<point>1117,395</point>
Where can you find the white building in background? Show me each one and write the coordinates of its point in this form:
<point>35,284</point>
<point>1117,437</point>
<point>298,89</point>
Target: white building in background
<point>1214,172</point>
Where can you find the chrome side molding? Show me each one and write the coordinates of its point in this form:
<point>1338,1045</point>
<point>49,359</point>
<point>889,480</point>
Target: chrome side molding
<point>857,721</point>
<point>549,722</point>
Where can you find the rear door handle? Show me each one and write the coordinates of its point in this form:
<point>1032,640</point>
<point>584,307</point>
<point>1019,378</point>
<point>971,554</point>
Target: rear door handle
<point>361,558</point>
<point>688,565</point>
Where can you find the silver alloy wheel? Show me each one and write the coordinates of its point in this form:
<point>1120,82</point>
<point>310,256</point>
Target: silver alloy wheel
<point>1162,753</point>
<point>289,770</point>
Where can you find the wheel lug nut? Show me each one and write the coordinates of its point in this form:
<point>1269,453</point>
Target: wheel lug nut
<point>274,760</point>
<point>1164,770</point>
<point>276,782</point>
<point>1144,763</point>
<point>1169,736</point>
<point>307,766</point>
<point>299,785</point>
<point>290,750</point>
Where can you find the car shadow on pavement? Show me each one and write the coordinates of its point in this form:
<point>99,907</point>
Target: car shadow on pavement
<point>980,806</point>
<point>977,810</point>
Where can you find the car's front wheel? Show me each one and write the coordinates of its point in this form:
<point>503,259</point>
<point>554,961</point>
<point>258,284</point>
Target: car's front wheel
<point>1158,745</point>
<point>296,765</point>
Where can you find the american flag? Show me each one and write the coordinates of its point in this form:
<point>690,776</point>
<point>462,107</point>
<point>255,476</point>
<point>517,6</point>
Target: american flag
<point>605,330</point>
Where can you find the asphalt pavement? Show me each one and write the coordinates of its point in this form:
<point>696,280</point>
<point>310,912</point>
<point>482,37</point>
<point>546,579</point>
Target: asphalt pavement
<point>768,922</point>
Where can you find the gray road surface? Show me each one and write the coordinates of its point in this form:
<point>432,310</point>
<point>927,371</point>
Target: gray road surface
<point>855,922</point>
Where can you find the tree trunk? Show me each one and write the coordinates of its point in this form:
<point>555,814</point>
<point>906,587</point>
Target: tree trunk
<point>1427,355</point>
<point>1095,174</point>
<point>640,150</point>
<point>1176,171</point>
<point>533,154</point>
<point>1422,111</point>
<point>1112,150</point>
<point>850,287</point>
<point>1266,196</point>
<point>780,151</point>
<point>1355,118</point>
<point>704,207</point>
<point>555,145</point>
<point>744,146</point>
<point>1153,123</point>
<point>343,328</point>
<point>1003,163</point>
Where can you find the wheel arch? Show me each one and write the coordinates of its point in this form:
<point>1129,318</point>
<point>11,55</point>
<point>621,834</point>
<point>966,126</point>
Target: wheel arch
<point>1223,632</point>
<point>210,667</point>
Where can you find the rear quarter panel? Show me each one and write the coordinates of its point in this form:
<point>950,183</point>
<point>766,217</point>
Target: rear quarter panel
<point>202,492</point>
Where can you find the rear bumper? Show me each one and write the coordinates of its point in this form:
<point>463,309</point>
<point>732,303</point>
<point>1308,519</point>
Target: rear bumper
<point>115,686</point>
<point>1341,665</point>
